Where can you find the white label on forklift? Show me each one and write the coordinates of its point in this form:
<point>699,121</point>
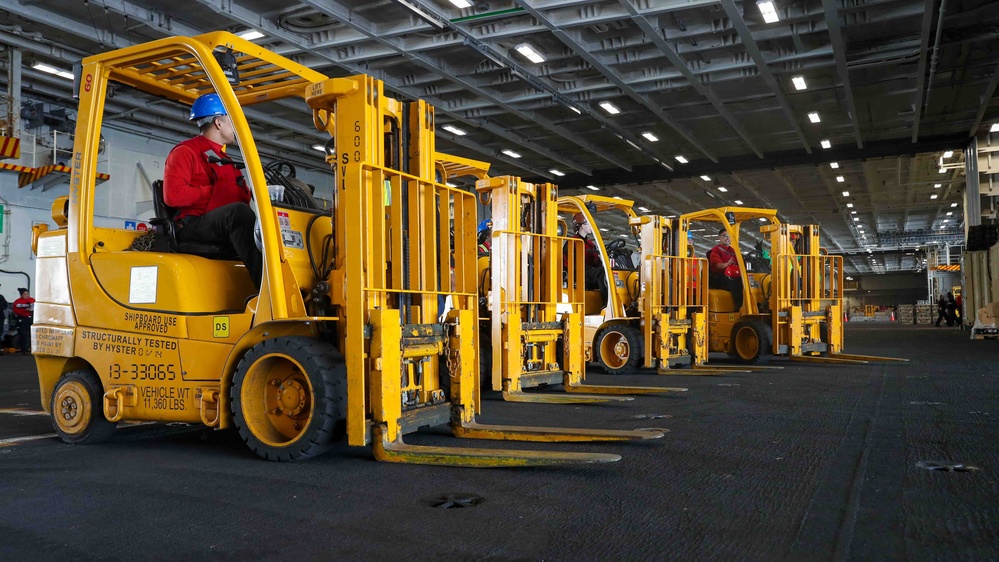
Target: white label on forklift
<point>142,287</point>
<point>292,239</point>
<point>51,246</point>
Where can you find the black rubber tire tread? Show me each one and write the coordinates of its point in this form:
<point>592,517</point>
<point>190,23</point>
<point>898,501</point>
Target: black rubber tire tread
<point>635,345</point>
<point>763,334</point>
<point>98,429</point>
<point>327,372</point>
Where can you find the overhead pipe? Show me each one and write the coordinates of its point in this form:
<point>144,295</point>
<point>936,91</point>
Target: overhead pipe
<point>935,55</point>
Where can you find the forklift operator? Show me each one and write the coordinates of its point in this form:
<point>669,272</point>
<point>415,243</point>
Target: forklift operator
<point>724,268</point>
<point>594,268</point>
<point>208,191</point>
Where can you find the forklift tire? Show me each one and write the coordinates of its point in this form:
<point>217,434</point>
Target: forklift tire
<point>619,349</point>
<point>289,398</point>
<point>751,342</point>
<point>78,409</point>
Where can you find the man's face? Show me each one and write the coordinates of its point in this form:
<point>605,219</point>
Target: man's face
<point>226,129</point>
<point>583,228</point>
<point>724,239</point>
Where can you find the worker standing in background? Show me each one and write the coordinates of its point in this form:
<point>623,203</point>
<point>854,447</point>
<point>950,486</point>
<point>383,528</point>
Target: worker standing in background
<point>24,310</point>
<point>723,267</point>
<point>207,189</point>
<point>3,321</point>
<point>942,311</point>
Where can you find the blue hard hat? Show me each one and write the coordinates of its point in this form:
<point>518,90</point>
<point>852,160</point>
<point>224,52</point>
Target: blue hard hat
<point>485,224</point>
<point>208,105</point>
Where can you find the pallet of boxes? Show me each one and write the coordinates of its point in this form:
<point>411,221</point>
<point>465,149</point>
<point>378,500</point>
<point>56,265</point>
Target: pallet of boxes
<point>906,314</point>
<point>986,323</point>
<point>925,313</point>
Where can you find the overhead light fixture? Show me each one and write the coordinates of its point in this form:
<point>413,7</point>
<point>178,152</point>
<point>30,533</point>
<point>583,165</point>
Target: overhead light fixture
<point>948,154</point>
<point>846,194</point>
<point>650,137</point>
<point>949,213</point>
<point>461,3</point>
<point>319,147</point>
<point>768,10</point>
<point>723,189</point>
<point>603,230</point>
<point>643,209</point>
<point>814,117</point>
<point>52,70</point>
<point>762,219</point>
<point>251,35</point>
<point>590,187</point>
<point>799,82</point>
<point>849,205</point>
<point>995,128</point>
<point>558,173</point>
<point>576,110</point>
<point>623,235</point>
<point>853,212</point>
<point>840,179</point>
<point>429,18</point>
<point>856,219</point>
<point>934,196</point>
<point>937,185</point>
<point>705,178</point>
<point>942,170</point>
<point>834,165</point>
<point>826,144</point>
<point>530,53</point>
<point>617,197</point>
<point>738,202</point>
<point>952,205</point>
<point>610,108</point>
<point>681,159</point>
<point>946,220</point>
<point>454,130</point>
<point>511,153</point>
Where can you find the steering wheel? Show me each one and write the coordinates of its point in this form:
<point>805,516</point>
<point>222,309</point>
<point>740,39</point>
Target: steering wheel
<point>283,167</point>
<point>615,245</point>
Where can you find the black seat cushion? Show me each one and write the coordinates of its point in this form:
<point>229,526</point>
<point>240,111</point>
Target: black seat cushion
<point>167,227</point>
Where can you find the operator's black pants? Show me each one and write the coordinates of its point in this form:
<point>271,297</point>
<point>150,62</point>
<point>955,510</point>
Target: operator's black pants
<point>24,333</point>
<point>229,226</point>
<point>730,284</point>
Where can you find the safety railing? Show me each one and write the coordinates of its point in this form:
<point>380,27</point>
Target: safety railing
<point>811,282</point>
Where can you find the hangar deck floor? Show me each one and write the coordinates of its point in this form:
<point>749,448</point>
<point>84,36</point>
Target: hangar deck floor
<point>811,462</point>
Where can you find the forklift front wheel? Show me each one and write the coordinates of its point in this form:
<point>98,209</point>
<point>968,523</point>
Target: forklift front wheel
<point>751,342</point>
<point>288,398</point>
<point>76,409</point>
<point>619,349</point>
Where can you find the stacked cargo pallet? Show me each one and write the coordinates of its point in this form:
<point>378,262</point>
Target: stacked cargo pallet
<point>925,313</point>
<point>906,314</point>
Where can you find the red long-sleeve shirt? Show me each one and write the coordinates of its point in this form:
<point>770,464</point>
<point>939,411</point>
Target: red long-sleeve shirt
<point>721,254</point>
<point>193,186</point>
<point>22,306</point>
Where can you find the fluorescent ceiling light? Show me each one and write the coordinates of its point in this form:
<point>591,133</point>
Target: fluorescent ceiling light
<point>511,153</point>
<point>722,189</point>
<point>952,205</point>
<point>453,129</point>
<point>942,227</point>
<point>856,219</point>
<point>251,35</point>
<point>853,212</point>
<point>768,10</point>
<point>834,165</point>
<point>934,196</point>
<point>530,53</point>
<point>643,209</point>
<point>52,70</point>
<point>846,194</point>
<point>826,144</point>
<point>705,178</point>
<point>556,172</point>
<point>591,187</point>
<point>762,219</point>
<point>610,108</point>
<point>995,128</point>
<point>461,3</point>
<point>575,110</point>
<point>603,230</point>
<point>738,202</point>
<point>799,82</point>
<point>681,159</point>
<point>319,147</point>
<point>849,205</point>
<point>946,220</point>
<point>814,117</point>
<point>623,235</point>
<point>948,154</point>
<point>617,197</point>
<point>949,213</point>
<point>650,137</point>
<point>840,179</point>
<point>937,185</point>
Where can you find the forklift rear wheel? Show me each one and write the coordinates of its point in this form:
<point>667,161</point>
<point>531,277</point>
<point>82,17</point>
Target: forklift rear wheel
<point>77,410</point>
<point>619,349</point>
<point>289,398</point>
<point>751,343</point>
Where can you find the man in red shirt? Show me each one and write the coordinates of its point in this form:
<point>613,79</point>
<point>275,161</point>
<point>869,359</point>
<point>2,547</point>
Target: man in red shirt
<point>207,189</point>
<point>592,261</point>
<point>723,266</point>
<point>24,311</point>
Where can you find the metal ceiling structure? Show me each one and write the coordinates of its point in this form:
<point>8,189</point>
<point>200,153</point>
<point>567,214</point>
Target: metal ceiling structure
<point>894,83</point>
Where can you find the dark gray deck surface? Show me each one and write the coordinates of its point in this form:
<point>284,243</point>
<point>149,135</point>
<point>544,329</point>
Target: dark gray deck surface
<point>811,462</point>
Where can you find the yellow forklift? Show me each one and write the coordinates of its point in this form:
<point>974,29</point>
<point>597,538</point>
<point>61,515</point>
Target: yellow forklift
<point>532,288</point>
<point>644,308</point>
<point>343,338</point>
<point>792,293</point>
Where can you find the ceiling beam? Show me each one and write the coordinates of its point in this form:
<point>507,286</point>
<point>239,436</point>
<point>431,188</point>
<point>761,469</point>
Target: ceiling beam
<point>839,51</point>
<point>924,43</point>
<point>990,91</point>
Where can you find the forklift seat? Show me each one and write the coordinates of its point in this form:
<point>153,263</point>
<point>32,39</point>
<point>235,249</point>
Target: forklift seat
<point>166,230</point>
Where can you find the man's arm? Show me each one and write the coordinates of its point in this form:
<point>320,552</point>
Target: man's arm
<point>178,174</point>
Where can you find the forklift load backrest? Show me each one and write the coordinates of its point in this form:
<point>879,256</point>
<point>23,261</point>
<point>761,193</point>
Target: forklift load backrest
<point>166,229</point>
